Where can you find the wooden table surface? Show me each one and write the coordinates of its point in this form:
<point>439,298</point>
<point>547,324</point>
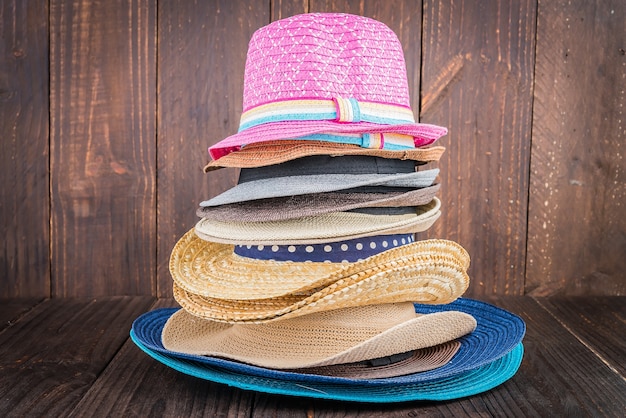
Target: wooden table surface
<point>73,357</point>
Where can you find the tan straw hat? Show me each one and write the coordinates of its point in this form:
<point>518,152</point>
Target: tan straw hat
<point>329,227</point>
<point>213,270</point>
<point>274,152</point>
<point>342,336</point>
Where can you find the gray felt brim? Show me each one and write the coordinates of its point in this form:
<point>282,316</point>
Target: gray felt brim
<point>322,183</point>
<point>292,207</point>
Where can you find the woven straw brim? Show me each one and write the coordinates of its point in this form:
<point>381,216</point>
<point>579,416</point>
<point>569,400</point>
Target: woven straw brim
<point>275,152</point>
<point>497,333</point>
<point>292,207</point>
<point>439,281</point>
<point>319,339</point>
<point>213,270</point>
<point>319,183</point>
<point>319,229</point>
<point>421,360</point>
<point>423,134</point>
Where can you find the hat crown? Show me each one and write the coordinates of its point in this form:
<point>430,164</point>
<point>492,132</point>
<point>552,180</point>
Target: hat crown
<point>325,56</point>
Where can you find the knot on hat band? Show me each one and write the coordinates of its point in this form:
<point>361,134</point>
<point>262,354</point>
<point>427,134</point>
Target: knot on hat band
<point>350,251</point>
<point>326,164</point>
<point>336,109</point>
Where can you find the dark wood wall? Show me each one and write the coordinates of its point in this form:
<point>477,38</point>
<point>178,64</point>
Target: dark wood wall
<point>107,109</point>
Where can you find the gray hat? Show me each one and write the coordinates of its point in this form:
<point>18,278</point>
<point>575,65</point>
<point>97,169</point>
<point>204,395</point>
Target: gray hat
<point>322,174</point>
<point>291,207</point>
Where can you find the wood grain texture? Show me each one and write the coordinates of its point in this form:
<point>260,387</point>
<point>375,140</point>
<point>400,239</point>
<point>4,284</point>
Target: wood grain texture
<point>477,77</point>
<point>24,175</point>
<point>102,115</point>
<point>202,53</point>
<point>11,310</point>
<point>134,384</point>
<point>598,322</point>
<point>281,9</point>
<point>559,376</point>
<point>577,227</point>
<point>52,355</point>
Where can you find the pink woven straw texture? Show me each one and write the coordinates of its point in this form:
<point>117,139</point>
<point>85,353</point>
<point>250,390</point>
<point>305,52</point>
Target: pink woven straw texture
<point>321,55</point>
<point>324,56</point>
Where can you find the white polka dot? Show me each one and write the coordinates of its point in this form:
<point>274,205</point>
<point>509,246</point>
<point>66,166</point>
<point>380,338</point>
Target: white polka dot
<point>291,249</point>
<point>344,247</point>
<point>344,261</point>
<point>260,247</point>
<point>309,249</point>
<point>403,241</point>
<point>327,261</point>
<point>372,245</point>
<point>248,246</point>
<point>274,248</point>
<point>328,248</point>
<point>359,246</point>
<point>385,244</point>
<point>395,242</point>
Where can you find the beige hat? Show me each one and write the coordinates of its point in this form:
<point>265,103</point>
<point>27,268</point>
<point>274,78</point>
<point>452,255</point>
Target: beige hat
<point>328,227</point>
<point>274,152</point>
<point>324,338</point>
<point>435,280</point>
<point>213,270</point>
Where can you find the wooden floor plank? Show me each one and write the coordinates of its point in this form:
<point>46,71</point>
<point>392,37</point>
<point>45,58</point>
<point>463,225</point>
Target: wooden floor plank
<point>559,375</point>
<point>51,356</point>
<point>13,309</point>
<point>599,322</point>
<point>136,385</point>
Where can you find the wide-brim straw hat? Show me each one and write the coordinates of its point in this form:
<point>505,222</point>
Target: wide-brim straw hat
<point>340,336</point>
<point>326,74</point>
<point>324,228</point>
<point>284,186</point>
<point>213,270</point>
<point>292,207</point>
<point>275,152</point>
<point>488,356</point>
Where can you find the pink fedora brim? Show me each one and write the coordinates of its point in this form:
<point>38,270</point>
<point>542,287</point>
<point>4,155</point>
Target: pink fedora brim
<point>423,134</point>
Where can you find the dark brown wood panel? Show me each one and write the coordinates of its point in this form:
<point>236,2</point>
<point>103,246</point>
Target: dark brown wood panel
<point>598,322</point>
<point>103,154</point>
<point>559,376</point>
<point>50,357</point>
<point>24,178</point>
<point>202,53</point>
<point>577,227</point>
<point>477,76</point>
<point>281,9</point>
<point>136,385</point>
<point>12,310</point>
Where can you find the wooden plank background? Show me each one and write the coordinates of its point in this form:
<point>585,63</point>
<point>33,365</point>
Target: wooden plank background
<point>107,109</point>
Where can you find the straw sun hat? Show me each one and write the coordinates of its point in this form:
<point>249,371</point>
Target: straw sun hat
<point>353,91</point>
<point>214,270</point>
<point>276,152</point>
<point>320,339</point>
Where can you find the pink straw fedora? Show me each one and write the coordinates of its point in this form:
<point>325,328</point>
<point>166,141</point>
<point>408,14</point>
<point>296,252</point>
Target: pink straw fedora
<point>330,77</point>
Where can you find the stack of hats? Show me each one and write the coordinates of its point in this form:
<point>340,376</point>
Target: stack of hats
<point>305,278</point>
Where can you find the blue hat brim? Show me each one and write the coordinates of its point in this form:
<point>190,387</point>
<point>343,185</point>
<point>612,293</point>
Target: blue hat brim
<point>461,385</point>
<point>497,333</point>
